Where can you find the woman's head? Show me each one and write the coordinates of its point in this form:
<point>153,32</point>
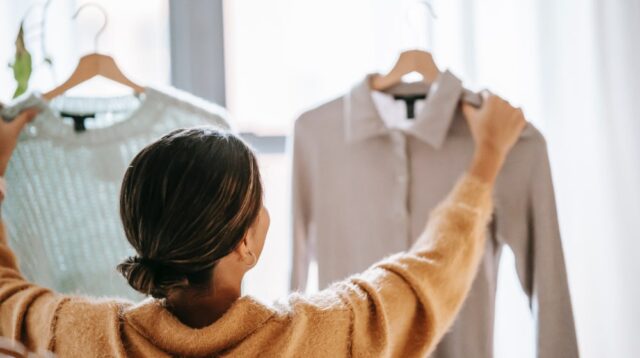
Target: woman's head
<point>187,201</point>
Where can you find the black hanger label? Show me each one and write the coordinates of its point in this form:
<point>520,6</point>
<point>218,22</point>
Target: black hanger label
<point>410,100</point>
<point>78,120</point>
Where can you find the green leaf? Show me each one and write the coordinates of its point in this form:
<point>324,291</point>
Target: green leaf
<point>22,66</point>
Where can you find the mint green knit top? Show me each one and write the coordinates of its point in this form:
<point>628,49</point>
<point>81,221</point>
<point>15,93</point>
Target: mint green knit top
<point>61,211</point>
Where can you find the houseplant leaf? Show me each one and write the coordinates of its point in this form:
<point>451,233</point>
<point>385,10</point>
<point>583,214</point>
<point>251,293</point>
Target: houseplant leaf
<point>22,65</point>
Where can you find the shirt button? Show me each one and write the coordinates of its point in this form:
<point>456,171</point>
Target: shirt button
<point>31,130</point>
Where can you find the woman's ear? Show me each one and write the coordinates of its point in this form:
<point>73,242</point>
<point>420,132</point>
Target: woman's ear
<point>247,256</point>
<point>250,247</point>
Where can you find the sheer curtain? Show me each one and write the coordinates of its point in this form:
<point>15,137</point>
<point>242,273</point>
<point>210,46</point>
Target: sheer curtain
<point>596,134</point>
<point>573,65</point>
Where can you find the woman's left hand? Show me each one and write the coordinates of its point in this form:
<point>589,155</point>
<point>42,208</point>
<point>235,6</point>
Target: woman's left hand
<point>9,132</point>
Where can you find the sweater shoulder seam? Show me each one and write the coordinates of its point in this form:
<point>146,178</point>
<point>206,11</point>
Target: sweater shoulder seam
<point>51,346</point>
<point>345,302</point>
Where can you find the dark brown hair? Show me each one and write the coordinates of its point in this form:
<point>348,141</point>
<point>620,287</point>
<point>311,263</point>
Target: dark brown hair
<point>186,201</point>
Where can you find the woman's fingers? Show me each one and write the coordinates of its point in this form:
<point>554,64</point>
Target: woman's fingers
<point>469,111</point>
<point>9,132</point>
<point>23,118</point>
<point>495,125</point>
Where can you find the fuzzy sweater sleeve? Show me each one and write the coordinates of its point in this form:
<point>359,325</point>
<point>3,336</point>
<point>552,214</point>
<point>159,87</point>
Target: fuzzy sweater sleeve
<point>27,311</point>
<point>403,305</point>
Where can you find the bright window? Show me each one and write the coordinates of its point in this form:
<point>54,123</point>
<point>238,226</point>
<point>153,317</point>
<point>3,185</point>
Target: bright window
<point>284,56</point>
<point>137,36</point>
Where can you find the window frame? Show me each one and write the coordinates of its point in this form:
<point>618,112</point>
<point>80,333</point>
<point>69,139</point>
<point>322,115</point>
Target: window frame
<point>191,21</point>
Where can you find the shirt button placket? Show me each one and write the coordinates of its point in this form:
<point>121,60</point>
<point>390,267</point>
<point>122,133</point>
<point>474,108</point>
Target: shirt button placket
<point>402,184</point>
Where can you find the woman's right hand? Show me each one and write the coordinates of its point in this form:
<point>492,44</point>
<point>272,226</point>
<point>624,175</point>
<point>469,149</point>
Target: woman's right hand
<point>9,132</point>
<point>495,128</point>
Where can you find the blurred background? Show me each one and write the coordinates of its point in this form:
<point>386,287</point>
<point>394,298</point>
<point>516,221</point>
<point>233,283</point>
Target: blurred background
<point>573,65</point>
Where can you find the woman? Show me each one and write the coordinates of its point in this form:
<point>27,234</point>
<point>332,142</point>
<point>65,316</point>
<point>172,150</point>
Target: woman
<point>191,205</point>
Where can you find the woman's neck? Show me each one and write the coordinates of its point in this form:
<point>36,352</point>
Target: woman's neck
<point>197,310</point>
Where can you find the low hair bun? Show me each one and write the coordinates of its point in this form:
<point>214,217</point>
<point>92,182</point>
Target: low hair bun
<point>151,277</point>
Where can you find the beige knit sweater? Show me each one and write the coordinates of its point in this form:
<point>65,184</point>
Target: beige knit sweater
<point>400,307</point>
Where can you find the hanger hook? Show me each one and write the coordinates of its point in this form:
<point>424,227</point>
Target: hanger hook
<point>104,23</point>
<point>430,9</point>
<point>430,14</point>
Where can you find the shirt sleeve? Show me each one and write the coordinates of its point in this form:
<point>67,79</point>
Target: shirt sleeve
<point>540,263</point>
<point>26,310</point>
<point>403,305</point>
<point>300,206</point>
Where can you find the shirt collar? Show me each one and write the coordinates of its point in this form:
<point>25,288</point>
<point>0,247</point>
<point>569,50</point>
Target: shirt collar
<point>431,124</point>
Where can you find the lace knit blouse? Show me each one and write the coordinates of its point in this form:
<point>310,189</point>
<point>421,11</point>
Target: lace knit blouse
<point>62,214</point>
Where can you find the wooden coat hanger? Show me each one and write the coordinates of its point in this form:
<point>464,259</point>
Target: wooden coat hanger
<point>94,64</point>
<point>409,61</point>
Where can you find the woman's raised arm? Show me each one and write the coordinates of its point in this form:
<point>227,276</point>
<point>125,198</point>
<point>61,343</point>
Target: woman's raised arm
<point>26,310</point>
